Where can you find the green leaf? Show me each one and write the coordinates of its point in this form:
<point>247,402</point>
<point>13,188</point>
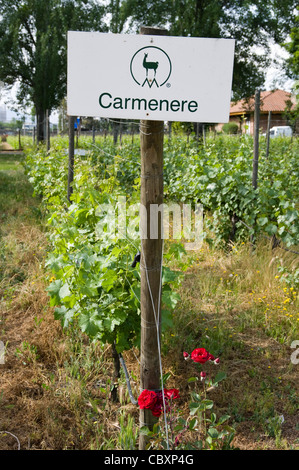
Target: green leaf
<point>168,275</point>
<point>144,430</point>
<point>194,408</point>
<point>64,291</point>
<point>219,377</point>
<point>222,419</point>
<point>271,229</point>
<point>263,221</point>
<point>193,423</point>
<point>64,315</point>
<point>167,319</point>
<point>208,404</point>
<point>53,290</point>
<point>213,433</point>
<point>90,323</point>
<point>108,279</point>
<point>192,379</point>
<point>170,298</point>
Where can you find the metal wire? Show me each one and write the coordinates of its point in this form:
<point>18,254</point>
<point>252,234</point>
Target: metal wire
<point>157,315</point>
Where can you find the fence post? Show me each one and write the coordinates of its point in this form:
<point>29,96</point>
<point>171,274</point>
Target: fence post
<point>71,157</point>
<point>255,145</point>
<point>256,138</point>
<point>151,148</point>
<point>268,134</point>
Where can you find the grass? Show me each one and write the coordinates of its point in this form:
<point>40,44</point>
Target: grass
<point>238,306</point>
<point>55,385</point>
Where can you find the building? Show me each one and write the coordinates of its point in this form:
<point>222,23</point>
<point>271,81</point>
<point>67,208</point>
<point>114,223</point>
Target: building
<point>276,101</point>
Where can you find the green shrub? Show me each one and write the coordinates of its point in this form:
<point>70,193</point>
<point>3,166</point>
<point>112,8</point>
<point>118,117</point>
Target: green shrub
<point>230,128</point>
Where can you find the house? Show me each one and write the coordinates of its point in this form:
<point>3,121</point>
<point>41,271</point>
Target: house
<point>276,101</point>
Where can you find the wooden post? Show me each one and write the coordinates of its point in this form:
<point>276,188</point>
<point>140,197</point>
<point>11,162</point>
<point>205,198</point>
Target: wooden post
<point>47,130</point>
<point>71,157</point>
<point>151,147</point>
<point>256,138</point>
<point>268,134</point>
<point>20,145</point>
<point>256,144</point>
<point>169,130</point>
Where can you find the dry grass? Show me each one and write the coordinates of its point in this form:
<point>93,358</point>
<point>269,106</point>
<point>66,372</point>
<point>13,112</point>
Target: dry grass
<point>235,305</point>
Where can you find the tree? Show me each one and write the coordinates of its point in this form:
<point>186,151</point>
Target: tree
<point>33,48</point>
<point>292,69</point>
<point>253,23</point>
<point>292,63</point>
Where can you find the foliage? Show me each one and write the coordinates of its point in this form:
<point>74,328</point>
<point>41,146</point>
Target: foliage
<point>33,47</point>
<point>219,176</point>
<point>94,285</point>
<point>250,23</point>
<point>207,431</point>
<point>293,49</point>
<point>230,128</point>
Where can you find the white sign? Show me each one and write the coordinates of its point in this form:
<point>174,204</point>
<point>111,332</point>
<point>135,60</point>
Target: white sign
<point>161,78</point>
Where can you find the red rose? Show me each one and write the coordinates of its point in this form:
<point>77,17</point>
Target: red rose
<point>154,400</point>
<point>147,399</point>
<point>156,409</point>
<point>200,355</point>
<point>172,393</point>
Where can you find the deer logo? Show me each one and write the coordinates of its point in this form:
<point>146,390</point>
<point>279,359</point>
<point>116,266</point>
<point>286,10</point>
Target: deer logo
<point>149,65</point>
<point>140,65</point>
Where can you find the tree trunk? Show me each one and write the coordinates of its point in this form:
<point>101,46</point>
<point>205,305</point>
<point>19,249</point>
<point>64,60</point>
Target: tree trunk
<point>40,127</point>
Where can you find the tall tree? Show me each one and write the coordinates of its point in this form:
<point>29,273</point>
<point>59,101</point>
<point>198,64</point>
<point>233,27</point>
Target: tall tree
<point>292,46</point>
<point>33,48</point>
<point>253,23</point>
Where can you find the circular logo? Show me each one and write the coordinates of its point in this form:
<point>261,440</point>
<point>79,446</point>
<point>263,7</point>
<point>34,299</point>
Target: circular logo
<point>150,66</point>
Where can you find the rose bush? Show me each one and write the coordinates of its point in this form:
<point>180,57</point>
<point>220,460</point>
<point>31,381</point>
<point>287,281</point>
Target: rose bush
<point>148,399</point>
<point>201,356</point>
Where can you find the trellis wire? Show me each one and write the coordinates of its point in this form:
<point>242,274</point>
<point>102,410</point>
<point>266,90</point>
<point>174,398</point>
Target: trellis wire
<point>156,315</point>
<point>7,432</point>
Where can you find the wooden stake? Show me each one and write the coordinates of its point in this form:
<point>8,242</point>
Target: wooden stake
<point>151,147</point>
<point>256,144</point>
<point>47,130</point>
<point>256,138</point>
<point>71,157</point>
<point>268,134</point>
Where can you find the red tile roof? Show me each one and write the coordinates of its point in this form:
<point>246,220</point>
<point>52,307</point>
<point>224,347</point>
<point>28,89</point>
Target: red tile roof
<point>274,101</point>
